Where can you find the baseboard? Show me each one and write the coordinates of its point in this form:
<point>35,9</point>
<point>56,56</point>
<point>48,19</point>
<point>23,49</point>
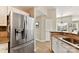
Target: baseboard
<point>43,40</point>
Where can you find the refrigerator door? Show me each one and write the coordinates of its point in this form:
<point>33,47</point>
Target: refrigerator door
<point>17,29</point>
<point>30,24</point>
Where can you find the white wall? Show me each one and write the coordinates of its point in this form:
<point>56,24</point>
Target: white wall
<point>50,23</point>
<point>47,23</point>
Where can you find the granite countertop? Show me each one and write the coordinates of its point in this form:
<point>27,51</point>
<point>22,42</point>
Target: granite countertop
<point>65,35</point>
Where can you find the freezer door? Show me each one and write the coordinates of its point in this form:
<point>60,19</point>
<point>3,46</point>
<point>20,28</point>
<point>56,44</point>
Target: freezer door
<point>30,28</point>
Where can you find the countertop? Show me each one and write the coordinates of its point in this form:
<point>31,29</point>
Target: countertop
<point>65,35</point>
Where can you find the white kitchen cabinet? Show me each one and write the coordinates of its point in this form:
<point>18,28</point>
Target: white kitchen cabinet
<point>3,20</point>
<point>55,44</point>
<point>63,23</point>
<point>73,50</point>
<point>69,48</point>
<point>63,47</point>
<point>75,18</point>
<point>59,46</point>
<point>3,10</point>
<point>3,16</point>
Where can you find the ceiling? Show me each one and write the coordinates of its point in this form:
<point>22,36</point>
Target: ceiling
<point>23,7</point>
<point>60,10</point>
<point>28,7</point>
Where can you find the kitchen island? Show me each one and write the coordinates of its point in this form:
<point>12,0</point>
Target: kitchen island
<point>64,42</point>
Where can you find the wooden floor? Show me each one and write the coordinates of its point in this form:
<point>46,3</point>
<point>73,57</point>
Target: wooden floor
<point>42,47</point>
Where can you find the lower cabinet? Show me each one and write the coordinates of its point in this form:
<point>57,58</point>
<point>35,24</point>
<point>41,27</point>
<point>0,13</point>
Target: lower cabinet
<point>55,45</point>
<point>63,47</point>
<point>59,46</point>
<point>73,50</point>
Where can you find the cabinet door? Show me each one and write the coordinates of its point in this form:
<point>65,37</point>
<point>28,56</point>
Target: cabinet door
<point>66,48</point>
<point>3,16</point>
<point>3,20</point>
<point>62,47</point>
<point>73,50</point>
<point>55,45</point>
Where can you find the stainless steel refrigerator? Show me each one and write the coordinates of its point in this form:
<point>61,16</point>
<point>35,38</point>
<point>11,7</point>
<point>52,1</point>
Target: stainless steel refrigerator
<point>21,33</point>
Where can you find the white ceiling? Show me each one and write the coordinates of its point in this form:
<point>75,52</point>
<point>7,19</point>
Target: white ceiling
<point>60,10</point>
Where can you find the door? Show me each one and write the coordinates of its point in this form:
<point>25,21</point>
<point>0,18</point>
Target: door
<point>17,29</point>
<point>30,28</point>
<point>55,44</point>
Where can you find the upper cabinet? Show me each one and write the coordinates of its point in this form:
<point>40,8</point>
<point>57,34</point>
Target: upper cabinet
<point>64,23</point>
<point>19,11</point>
<point>3,16</point>
<point>75,18</point>
<point>68,24</point>
<point>3,20</point>
<point>3,10</point>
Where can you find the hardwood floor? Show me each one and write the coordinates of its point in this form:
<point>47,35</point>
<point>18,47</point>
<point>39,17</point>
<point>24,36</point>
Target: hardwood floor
<point>43,47</point>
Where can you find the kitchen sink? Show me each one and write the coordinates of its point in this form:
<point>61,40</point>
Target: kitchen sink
<point>69,40</point>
